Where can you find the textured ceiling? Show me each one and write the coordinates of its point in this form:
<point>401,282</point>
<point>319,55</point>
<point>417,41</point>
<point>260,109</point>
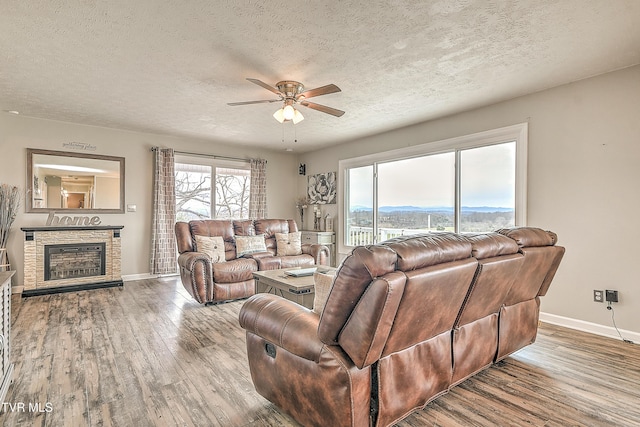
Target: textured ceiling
<point>171,66</point>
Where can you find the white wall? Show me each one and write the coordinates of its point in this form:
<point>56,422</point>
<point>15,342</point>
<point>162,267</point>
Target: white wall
<point>17,133</point>
<point>583,177</point>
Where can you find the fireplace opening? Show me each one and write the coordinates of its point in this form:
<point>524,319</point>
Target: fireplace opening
<point>70,261</point>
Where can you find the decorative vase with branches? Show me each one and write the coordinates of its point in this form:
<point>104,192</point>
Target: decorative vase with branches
<point>302,203</point>
<point>9,204</point>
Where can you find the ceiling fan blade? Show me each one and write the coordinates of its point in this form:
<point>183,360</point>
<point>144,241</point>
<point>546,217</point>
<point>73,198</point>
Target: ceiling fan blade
<point>324,90</point>
<point>264,85</point>
<point>323,108</point>
<point>264,101</point>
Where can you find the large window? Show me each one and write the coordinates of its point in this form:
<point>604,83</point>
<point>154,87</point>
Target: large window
<point>198,198</point>
<point>487,187</point>
<point>359,215</point>
<point>467,184</point>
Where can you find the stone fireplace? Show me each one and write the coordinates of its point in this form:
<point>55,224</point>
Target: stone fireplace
<point>64,259</point>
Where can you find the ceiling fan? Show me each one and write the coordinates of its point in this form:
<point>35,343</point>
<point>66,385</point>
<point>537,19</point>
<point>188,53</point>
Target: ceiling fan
<point>290,93</point>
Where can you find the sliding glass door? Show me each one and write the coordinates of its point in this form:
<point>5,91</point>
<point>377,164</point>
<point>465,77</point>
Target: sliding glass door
<point>359,218</point>
<point>416,195</point>
<point>464,186</point>
<point>487,187</point>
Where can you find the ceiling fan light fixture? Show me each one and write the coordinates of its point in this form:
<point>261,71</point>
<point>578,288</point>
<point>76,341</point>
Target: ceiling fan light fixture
<point>279,115</point>
<point>288,112</point>
<point>291,93</point>
<point>297,117</point>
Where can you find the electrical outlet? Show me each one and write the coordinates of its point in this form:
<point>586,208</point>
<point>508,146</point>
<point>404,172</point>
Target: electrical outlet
<point>598,296</point>
<point>611,296</point>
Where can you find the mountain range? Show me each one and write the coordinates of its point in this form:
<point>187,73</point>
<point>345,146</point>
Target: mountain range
<point>432,209</point>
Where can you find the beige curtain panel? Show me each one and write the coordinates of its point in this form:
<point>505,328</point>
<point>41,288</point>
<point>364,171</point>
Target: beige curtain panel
<point>163,242</point>
<point>258,191</point>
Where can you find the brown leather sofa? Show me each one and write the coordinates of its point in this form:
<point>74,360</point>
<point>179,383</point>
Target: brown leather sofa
<point>404,322</point>
<point>211,282</point>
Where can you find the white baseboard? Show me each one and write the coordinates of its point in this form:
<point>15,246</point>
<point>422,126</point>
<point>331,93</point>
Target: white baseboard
<point>594,328</point>
<point>143,276</point>
<point>140,276</point>
<point>125,278</point>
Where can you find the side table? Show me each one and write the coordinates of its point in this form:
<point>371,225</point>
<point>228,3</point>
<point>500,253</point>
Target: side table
<point>6,367</point>
<point>327,238</point>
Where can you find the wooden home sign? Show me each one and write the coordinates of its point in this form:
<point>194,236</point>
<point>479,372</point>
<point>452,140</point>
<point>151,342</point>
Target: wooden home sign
<point>62,221</point>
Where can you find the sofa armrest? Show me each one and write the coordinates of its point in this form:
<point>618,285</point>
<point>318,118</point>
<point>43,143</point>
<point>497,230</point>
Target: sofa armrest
<point>320,253</point>
<point>283,323</point>
<point>196,275</point>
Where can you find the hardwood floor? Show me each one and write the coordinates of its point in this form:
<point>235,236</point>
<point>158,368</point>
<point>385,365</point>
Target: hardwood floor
<point>149,355</point>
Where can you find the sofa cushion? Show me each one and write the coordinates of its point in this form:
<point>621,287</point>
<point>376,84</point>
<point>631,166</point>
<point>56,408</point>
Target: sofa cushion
<point>244,227</point>
<point>234,270</point>
<point>214,227</point>
<point>354,276</point>
<point>322,283</point>
<point>269,227</point>
<point>424,250</point>
<point>489,245</point>
<point>289,243</point>
<point>212,246</point>
<point>250,244</point>
<point>530,236</point>
<point>303,260</point>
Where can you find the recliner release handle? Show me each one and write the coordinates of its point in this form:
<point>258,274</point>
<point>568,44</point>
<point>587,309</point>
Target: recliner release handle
<point>270,349</point>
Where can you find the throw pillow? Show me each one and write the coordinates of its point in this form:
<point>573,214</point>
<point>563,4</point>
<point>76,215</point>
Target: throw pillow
<point>289,244</point>
<point>322,283</point>
<point>212,246</point>
<point>246,245</point>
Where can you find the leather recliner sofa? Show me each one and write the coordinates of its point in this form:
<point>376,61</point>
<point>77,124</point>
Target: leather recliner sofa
<point>210,282</point>
<point>404,322</point>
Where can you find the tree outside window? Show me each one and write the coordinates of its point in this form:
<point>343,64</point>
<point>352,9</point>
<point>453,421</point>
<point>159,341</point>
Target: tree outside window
<point>232,193</point>
<point>196,198</point>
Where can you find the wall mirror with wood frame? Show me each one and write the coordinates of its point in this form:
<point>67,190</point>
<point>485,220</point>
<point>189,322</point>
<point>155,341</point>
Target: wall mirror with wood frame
<point>74,182</point>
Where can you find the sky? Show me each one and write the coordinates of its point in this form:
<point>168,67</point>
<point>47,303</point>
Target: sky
<point>487,179</point>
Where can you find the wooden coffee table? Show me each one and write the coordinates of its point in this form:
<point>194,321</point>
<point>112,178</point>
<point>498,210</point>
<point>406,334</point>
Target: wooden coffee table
<point>297,289</point>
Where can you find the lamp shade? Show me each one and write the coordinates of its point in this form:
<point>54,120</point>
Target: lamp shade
<point>279,115</point>
<point>288,112</point>
<point>297,117</point>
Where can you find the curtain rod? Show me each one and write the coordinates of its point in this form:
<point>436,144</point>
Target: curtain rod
<point>213,156</point>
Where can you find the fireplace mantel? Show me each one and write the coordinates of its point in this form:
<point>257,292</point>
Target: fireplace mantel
<point>73,228</point>
<point>36,282</point>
